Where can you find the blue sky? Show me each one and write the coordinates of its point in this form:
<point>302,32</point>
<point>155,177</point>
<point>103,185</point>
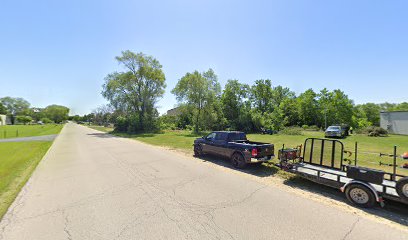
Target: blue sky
<point>60,51</point>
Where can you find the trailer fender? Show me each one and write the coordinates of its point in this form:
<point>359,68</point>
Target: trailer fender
<point>369,186</point>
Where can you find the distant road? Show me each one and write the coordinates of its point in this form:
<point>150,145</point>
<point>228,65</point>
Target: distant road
<point>91,185</point>
<point>30,139</point>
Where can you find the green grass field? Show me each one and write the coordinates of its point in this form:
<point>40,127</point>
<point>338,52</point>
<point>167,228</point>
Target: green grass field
<point>17,161</point>
<point>12,131</point>
<point>368,147</point>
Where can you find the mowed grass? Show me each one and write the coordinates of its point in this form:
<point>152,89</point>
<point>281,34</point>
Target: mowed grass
<point>369,148</point>
<point>17,161</point>
<point>12,131</point>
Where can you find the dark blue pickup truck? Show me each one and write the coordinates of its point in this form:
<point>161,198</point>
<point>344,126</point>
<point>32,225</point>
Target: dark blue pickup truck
<point>235,146</point>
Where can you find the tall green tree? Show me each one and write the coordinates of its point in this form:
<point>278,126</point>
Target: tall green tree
<point>57,113</point>
<point>308,107</point>
<point>199,90</point>
<point>136,91</point>
<point>261,95</point>
<point>370,111</point>
<point>335,107</point>
<point>233,99</point>
<point>15,105</point>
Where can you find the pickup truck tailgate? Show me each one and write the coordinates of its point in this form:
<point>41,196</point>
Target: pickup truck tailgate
<point>265,150</point>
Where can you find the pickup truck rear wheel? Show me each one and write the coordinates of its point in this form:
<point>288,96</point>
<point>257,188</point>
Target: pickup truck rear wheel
<point>238,161</point>
<point>198,150</point>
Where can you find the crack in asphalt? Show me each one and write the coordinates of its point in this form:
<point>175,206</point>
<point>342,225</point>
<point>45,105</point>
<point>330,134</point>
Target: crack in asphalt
<point>66,223</point>
<point>351,229</point>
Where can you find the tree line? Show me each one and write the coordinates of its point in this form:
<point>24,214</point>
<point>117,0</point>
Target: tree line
<point>20,111</point>
<point>204,105</point>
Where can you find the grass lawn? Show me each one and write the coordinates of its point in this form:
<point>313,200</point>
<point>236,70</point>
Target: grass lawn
<point>12,131</point>
<point>368,147</point>
<point>17,161</point>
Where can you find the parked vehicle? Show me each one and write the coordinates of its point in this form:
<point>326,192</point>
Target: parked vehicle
<point>235,146</point>
<point>268,131</point>
<point>335,131</point>
<point>322,161</point>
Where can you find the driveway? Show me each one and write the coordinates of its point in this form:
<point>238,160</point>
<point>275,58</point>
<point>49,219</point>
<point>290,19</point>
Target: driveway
<point>46,138</point>
<point>91,185</point>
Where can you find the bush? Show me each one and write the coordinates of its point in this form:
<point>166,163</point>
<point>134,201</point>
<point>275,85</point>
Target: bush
<point>310,128</point>
<point>291,131</point>
<point>375,131</point>
<point>23,119</point>
<point>121,124</point>
<point>46,120</point>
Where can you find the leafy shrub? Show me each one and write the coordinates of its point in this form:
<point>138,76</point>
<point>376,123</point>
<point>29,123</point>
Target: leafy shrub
<point>46,120</point>
<point>121,124</point>
<point>310,128</point>
<point>23,119</point>
<point>291,131</point>
<point>375,131</point>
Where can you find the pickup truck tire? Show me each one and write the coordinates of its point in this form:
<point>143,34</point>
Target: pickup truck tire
<point>237,160</point>
<point>198,150</point>
<point>402,188</point>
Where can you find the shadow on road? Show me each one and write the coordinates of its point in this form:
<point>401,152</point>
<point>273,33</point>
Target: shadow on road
<point>101,135</point>
<point>258,170</point>
<point>393,211</point>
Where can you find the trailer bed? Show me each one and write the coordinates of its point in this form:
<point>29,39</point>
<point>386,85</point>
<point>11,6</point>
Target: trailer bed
<point>336,178</point>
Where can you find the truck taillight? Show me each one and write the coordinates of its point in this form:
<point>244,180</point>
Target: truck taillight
<point>254,152</point>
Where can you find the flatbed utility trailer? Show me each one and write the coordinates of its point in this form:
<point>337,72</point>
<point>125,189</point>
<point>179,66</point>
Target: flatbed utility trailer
<point>322,161</point>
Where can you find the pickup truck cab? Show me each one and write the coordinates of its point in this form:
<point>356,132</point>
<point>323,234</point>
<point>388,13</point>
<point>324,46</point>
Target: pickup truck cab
<point>235,146</point>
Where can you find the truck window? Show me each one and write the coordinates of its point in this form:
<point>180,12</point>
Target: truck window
<point>221,136</point>
<point>236,136</point>
<point>210,136</point>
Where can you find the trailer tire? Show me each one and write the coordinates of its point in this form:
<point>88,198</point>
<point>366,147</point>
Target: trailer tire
<point>360,195</point>
<point>237,160</point>
<point>402,188</point>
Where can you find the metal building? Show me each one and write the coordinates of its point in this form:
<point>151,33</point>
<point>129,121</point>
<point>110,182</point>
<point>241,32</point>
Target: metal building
<point>395,122</point>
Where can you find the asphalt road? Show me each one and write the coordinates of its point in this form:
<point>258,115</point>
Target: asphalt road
<point>94,186</point>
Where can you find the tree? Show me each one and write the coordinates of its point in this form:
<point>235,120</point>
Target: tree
<point>335,107</point>
<point>308,108</point>
<point>56,113</point>
<point>199,90</point>
<point>15,106</point>
<point>261,95</point>
<point>23,119</point>
<point>3,109</point>
<point>136,91</point>
<point>102,114</point>
<point>369,111</point>
<point>233,101</point>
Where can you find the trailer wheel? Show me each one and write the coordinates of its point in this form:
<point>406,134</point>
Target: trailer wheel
<point>402,188</point>
<point>238,160</point>
<point>198,150</point>
<point>360,195</point>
